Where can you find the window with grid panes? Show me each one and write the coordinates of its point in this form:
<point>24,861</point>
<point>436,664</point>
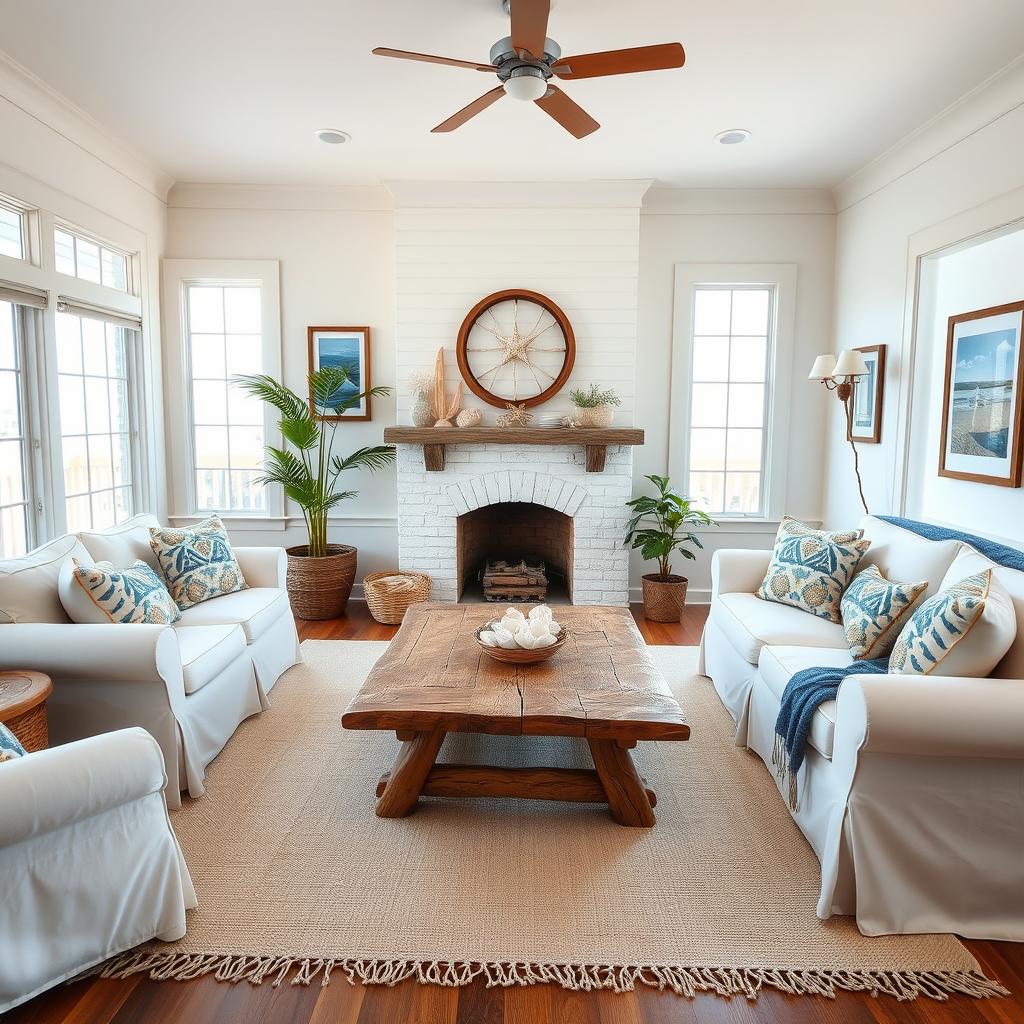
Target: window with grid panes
<point>89,260</point>
<point>14,484</point>
<point>12,232</point>
<point>224,331</point>
<point>93,368</point>
<point>728,398</point>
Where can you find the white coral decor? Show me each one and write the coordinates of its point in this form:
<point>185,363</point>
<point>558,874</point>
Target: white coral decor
<point>517,630</point>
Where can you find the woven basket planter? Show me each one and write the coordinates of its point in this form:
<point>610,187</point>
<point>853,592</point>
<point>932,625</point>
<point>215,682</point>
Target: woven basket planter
<point>318,588</point>
<point>389,594</point>
<point>599,416</point>
<point>664,600</point>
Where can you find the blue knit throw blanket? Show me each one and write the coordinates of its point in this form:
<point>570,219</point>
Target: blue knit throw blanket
<point>811,687</point>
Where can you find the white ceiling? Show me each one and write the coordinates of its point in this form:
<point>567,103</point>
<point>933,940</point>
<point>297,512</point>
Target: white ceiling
<point>232,90</point>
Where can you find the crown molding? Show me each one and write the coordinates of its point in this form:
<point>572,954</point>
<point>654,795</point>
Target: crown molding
<point>738,201</point>
<point>518,194</point>
<point>31,94</point>
<point>217,196</point>
<point>993,99</point>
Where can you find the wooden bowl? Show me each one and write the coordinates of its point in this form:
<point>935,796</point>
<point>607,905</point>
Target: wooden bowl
<point>520,655</point>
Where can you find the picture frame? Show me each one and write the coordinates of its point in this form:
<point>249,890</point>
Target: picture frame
<point>983,397</point>
<point>339,346</point>
<point>866,402</point>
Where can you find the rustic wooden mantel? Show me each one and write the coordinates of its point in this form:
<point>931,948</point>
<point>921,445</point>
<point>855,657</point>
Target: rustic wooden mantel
<point>434,440</point>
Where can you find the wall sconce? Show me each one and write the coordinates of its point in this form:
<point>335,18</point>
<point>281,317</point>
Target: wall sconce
<point>838,375</point>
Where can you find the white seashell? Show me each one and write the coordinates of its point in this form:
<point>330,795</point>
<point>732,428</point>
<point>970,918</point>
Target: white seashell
<point>526,639</point>
<point>543,641</point>
<point>504,637</point>
<point>538,627</point>
<point>514,613</point>
<point>541,611</point>
<point>488,638</point>
<point>554,628</point>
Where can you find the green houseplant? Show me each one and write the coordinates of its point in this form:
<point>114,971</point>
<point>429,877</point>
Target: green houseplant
<point>594,407</point>
<point>659,526</point>
<point>320,575</point>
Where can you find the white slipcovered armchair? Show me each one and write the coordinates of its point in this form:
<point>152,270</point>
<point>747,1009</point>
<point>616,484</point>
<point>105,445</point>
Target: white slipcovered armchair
<point>189,685</point>
<point>89,863</point>
<point>911,790</point>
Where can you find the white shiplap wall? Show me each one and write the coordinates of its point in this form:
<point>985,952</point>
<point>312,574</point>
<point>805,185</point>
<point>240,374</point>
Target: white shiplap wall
<point>584,257</point>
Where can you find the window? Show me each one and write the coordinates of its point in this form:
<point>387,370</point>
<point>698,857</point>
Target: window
<point>728,443</point>
<point>12,231</point>
<point>224,334</point>
<point>14,489</point>
<point>88,260</point>
<point>727,398</point>
<point>93,370</point>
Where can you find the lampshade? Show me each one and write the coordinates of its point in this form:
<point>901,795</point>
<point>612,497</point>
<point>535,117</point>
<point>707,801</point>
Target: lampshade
<point>850,364</point>
<point>823,368</point>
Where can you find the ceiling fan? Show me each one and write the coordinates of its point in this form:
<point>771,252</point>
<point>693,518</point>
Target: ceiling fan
<point>526,60</point>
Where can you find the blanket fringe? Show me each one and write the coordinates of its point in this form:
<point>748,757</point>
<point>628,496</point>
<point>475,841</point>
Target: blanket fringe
<point>780,762</point>
<point>684,981</point>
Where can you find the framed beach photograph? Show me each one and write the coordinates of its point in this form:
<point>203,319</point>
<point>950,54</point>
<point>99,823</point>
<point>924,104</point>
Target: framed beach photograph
<point>982,415</point>
<point>348,347</point>
<point>865,424</point>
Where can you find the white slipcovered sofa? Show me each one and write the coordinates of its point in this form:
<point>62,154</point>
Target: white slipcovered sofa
<point>912,791</point>
<point>189,685</point>
<point>89,864</point>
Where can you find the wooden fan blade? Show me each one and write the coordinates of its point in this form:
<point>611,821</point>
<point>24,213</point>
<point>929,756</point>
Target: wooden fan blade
<point>530,25</point>
<point>470,110</point>
<point>383,51</point>
<point>621,62</point>
<point>569,114</point>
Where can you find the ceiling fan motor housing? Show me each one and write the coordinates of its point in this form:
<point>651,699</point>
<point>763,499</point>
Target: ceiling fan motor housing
<point>505,59</point>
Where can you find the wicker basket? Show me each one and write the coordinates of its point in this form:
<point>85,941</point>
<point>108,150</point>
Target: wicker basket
<point>318,588</point>
<point>520,655</point>
<point>664,599</point>
<point>30,728</point>
<point>389,594</point>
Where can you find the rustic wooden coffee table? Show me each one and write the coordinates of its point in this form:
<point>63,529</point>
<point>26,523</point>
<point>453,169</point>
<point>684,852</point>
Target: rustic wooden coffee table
<point>601,686</point>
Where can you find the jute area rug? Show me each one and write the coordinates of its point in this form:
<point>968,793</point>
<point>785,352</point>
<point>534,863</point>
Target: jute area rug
<point>298,879</point>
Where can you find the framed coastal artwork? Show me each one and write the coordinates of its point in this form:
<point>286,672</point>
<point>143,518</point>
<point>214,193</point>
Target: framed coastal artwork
<point>348,347</point>
<point>865,423</point>
<point>982,414</point>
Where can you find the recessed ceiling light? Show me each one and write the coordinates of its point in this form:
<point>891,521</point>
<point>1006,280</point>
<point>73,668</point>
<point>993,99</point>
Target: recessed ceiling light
<point>333,136</point>
<point>733,137</point>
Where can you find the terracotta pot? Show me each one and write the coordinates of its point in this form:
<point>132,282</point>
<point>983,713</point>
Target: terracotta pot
<point>600,416</point>
<point>664,597</point>
<point>318,588</point>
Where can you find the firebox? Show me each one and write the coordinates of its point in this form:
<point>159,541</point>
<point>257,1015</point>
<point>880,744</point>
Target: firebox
<point>514,531</point>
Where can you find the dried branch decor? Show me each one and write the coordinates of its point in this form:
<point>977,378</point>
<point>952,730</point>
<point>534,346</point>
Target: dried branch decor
<point>444,410</point>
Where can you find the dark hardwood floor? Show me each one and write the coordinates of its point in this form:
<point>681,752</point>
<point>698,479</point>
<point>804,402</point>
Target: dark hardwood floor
<point>206,1001</point>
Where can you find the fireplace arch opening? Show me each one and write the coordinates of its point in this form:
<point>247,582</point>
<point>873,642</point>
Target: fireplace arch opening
<point>512,531</point>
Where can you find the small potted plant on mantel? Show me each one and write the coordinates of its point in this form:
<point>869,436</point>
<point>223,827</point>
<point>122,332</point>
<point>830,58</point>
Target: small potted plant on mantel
<point>320,575</point>
<point>594,407</point>
<point>659,526</point>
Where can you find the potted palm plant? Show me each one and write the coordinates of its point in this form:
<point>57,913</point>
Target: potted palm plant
<point>659,526</point>
<point>320,574</point>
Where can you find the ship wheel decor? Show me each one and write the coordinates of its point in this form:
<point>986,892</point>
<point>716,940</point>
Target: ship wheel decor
<point>515,347</point>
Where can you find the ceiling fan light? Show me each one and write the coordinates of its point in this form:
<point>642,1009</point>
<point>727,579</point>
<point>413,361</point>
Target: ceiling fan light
<point>526,84</point>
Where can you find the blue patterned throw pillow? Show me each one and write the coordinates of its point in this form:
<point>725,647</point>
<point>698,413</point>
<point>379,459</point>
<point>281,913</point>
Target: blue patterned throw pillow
<point>874,610</point>
<point>810,569</point>
<point>966,629</point>
<point>136,594</point>
<point>10,748</point>
<point>197,563</point>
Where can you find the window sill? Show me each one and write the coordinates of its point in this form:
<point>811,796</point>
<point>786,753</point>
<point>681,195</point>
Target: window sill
<point>756,526</point>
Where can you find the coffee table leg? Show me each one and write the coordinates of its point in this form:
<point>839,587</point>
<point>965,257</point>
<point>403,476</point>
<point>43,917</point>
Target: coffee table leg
<point>627,797</point>
<point>410,771</point>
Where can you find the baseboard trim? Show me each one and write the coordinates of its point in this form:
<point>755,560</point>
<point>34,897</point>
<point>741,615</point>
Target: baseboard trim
<point>694,595</point>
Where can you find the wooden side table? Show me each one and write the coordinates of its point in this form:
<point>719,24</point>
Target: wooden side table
<point>23,695</point>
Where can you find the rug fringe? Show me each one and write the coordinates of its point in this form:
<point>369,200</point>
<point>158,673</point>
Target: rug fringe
<point>684,981</point>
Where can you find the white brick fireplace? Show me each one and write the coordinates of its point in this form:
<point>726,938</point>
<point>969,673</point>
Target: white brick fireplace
<point>477,475</point>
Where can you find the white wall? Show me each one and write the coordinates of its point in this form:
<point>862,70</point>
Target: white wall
<point>984,274</point>
<point>53,157</point>
<point>734,226</point>
<point>952,180</point>
<point>337,255</point>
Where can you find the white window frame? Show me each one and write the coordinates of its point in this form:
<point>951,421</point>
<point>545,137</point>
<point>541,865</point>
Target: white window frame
<point>131,269</point>
<point>781,278</point>
<point>177,276</point>
<point>12,205</point>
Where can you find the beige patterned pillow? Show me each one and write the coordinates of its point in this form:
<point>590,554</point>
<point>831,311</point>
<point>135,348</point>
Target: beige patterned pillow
<point>810,569</point>
<point>197,563</point>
